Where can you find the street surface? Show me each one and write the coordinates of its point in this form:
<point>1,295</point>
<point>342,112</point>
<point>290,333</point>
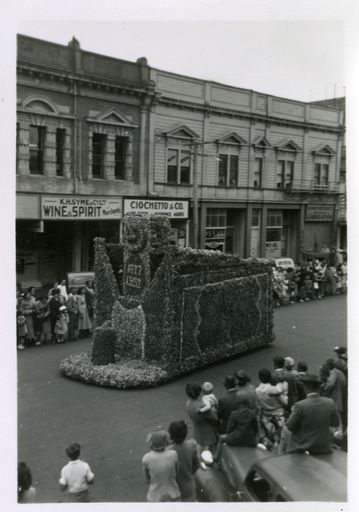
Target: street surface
<point>111,425</point>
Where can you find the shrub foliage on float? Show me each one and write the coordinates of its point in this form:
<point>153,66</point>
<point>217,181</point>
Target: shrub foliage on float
<point>180,308</point>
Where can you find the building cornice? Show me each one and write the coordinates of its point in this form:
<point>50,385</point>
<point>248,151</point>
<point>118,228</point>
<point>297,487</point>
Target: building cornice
<point>250,116</point>
<point>82,80</point>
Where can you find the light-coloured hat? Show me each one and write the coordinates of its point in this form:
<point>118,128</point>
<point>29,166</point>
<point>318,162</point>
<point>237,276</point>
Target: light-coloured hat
<point>62,308</point>
<point>289,362</point>
<point>207,387</point>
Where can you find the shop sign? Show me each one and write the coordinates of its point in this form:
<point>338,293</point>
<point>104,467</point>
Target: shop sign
<point>80,208</point>
<point>273,249</point>
<point>172,209</point>
<point>319,212</point>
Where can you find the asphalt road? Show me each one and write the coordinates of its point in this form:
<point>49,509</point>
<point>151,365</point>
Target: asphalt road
<point>111,425</point>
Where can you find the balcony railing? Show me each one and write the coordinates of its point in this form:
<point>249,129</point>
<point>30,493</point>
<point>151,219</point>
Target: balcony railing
<point>332,187</point>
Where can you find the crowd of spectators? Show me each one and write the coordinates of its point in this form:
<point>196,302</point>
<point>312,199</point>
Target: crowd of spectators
<point>312,280</point>
<point>290,410</point>
<point>55,317</point>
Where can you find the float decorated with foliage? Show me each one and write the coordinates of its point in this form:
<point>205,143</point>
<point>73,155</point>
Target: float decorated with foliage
<point>161,311</point>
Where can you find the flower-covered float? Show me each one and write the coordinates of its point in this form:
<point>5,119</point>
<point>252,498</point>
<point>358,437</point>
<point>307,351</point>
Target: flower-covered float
<point>161,311</point>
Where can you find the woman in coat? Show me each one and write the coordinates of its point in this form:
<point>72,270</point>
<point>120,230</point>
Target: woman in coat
<point>204,425</point>
<point>85,325</point>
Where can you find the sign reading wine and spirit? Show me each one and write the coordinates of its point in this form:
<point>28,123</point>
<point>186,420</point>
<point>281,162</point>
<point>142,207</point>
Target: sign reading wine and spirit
<point>80,208</point>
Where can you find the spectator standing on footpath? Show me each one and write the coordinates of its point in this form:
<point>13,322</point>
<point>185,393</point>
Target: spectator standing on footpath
<point>204,425</point>
<point>76,476</point>
<point>188,459</point>
<point>311,420</point>
<point>63,291</point>
<point>73,311</point>
<point>160,468</point>
<point>209,399</point>
<point>54,306</point>
<point>228,403</point>
<point>246,390</point>
<point>85,325</point>
<point>272,404</point>
<point>29,308</point>
<point>335,388</point>
<point>43,316</point>
<point>242,428</point>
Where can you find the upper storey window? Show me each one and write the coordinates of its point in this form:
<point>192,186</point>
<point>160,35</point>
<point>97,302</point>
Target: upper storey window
<point>60,151</point>
<point>286,159</point>
<point>179,166</point>
<point>179,152</point>
<point>98,154</point>
<point>322,157</point>
<point>120,157</point>
<point>36,147</point>
<point>228,160</point>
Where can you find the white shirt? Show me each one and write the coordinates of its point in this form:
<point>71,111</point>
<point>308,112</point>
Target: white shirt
<point>75,475</point>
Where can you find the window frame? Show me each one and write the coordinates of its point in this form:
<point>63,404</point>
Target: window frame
<point>179,150</point>
<point>229,157</point>
<point>38,148</point>
<point>321,178</point>
<point>102,143</point>
<point>60,151</point>
<point>285,175</point>
<point>258,172</point>
<point>120,160</point>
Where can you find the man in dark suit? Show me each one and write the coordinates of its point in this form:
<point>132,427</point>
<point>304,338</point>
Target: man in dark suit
<point>310,421</point>
<point>228,403</point>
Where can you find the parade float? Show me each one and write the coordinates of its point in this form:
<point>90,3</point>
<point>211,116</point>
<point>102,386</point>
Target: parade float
<point>161,311</point>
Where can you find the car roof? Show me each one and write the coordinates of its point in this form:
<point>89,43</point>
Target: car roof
<point>306,477</point>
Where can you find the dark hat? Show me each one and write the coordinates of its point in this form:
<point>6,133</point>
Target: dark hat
<point>340,350</point>
<point>310,382</point>
<point>242,376</point>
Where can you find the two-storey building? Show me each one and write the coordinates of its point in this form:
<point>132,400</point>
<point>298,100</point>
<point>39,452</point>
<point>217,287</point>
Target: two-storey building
<point>82,123</point>
<point>99,136</point>
<point>266,168</point>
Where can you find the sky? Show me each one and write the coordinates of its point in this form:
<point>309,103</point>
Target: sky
<point>297,59</point>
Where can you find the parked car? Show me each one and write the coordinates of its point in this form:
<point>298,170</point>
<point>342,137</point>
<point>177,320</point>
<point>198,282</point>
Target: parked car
<point>77,279</point>
<point>284,263</point>
<point>253,474</point>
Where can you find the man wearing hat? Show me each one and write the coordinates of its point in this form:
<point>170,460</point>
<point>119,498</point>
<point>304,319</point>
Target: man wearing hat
<point>311,419</point>
<point>246,390</point>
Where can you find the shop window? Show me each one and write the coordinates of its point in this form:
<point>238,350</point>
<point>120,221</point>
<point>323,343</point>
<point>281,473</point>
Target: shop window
<point>60,151</point>
<point>120,158</point>
<point>216,217</point>
<point>321,175</point>
<point>228,170</point>
<point>257,173</point>
<point>285,173</point>
<point>98,154</point>
<point>36,147</point>
<point>178,166</point>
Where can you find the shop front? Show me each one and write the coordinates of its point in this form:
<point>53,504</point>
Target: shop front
<point>175,210</point>
<point>54,235</point>
<point>319,227</point>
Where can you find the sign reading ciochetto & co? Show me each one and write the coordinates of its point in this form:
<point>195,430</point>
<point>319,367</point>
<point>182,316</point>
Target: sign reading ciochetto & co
<point>170,208</point>
<point>80,208</point>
